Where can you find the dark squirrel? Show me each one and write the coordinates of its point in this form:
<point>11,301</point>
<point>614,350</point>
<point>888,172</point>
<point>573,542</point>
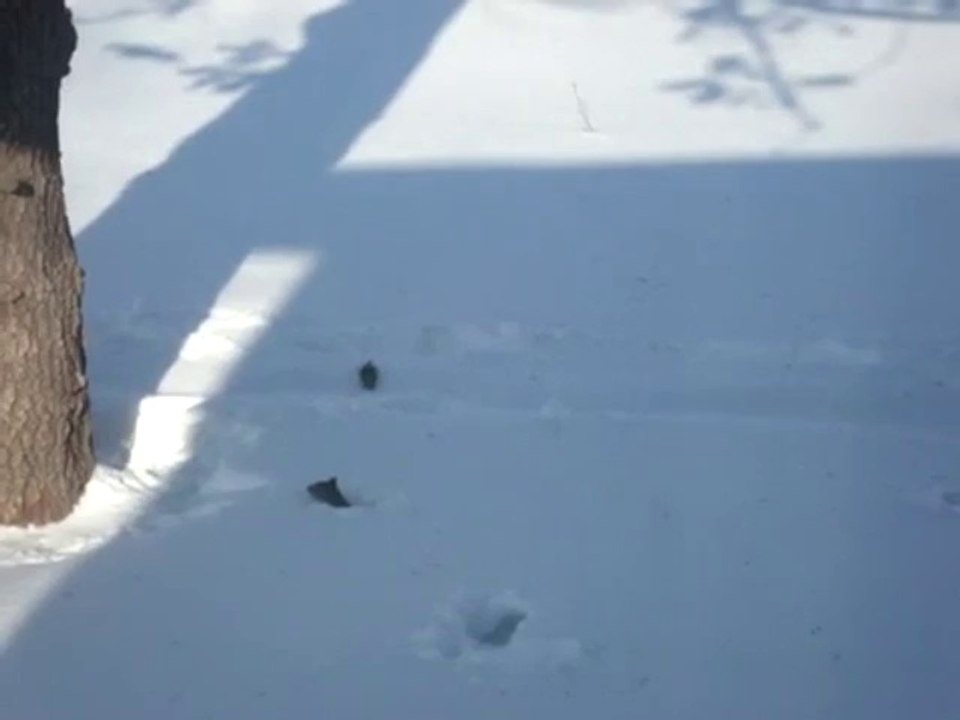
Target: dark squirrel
<point>328,493</point>
<point>369,376</point>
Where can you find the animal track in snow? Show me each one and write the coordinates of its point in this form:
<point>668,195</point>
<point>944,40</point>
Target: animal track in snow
<point>202,497</point>
<point>473,623</point>
<point>939,497</point>
<point>490,628</point>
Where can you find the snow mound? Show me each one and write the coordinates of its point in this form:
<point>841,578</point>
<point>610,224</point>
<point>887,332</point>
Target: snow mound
<point>118,501</point>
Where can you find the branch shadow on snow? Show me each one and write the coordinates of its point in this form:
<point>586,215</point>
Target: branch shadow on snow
<point>689,272</point>
<point>142,51</point>
<point>756,77</point>
<point>916,11</point>
<point>239,67</point>
<point>735,78</point>
<point>164,8</point>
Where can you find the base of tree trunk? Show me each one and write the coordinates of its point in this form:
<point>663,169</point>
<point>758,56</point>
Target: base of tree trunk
<point>46,451</point>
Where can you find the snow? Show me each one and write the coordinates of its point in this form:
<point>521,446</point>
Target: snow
<point>664,309</point>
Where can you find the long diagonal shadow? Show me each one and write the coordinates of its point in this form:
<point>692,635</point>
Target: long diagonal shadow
<point>158,258</point>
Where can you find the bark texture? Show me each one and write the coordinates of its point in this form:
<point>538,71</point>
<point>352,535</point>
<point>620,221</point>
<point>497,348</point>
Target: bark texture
<point>46,449</point>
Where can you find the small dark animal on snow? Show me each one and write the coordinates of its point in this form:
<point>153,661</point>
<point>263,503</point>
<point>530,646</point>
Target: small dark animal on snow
<point>327,492</point>
<point>369,376</point>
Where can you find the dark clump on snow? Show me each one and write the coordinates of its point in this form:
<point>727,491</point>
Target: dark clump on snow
<point>369,376</point>
<point>328,493</point>
<point>952,498</point>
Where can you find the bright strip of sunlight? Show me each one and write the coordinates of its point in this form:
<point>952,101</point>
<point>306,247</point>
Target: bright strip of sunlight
<point>242,313</point>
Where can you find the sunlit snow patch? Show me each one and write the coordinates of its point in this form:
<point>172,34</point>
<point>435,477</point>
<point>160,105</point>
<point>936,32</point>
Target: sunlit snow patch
<point>111,496</point>
<point>256,294</point>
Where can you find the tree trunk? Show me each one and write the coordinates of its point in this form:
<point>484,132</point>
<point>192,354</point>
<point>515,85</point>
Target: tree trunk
<point>46,450</point>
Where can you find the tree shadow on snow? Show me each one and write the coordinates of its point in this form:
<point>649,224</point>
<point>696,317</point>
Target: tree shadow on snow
<point>250,182</point>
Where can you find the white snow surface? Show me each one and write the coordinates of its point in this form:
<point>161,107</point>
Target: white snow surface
<point>664,300</point>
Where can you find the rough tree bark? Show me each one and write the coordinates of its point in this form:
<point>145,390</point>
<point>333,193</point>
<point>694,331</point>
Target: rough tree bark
<point>46,449</point>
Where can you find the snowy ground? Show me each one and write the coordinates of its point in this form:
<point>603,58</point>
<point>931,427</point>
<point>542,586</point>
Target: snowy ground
<point>665,305</point>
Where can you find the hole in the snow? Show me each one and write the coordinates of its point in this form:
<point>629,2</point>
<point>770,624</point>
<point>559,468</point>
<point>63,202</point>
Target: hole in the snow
<point>473,624</point>
<point>502,631</point>
<point>491,624</point>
